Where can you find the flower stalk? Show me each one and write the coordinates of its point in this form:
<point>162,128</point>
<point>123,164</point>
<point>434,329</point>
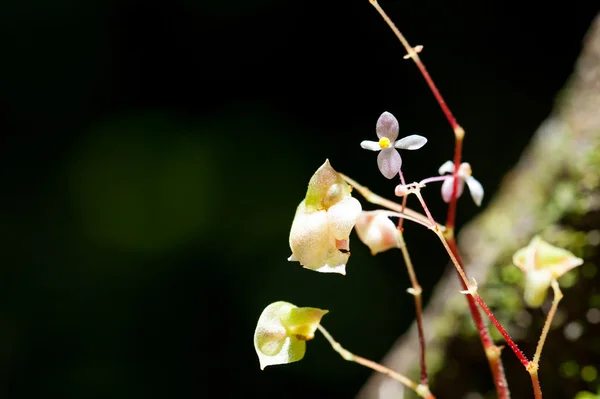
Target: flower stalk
<point>494,360</point>
<point>416,291</point>
<point>420,389</point>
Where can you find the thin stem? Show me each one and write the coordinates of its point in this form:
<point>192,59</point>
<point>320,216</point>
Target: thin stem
<point>459,132</point>
<point>492,351</point>
<point>433,225</point>
<point>472,291</point>
<point>403,200</point>
<point>434,179</point>
<point>451,218</point>
<point>520,355</point>
<point>535,382</point>
<point>421,390</point>
<point>557,297</point>
<point>484,334</point>
<point>415,57</point>
<point>416,291</point>
<point>373,198</point>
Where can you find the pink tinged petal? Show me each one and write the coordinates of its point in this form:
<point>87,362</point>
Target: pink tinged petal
<point>387,126</point>
<point>370,145</point>
<point>476,189</point>
<point>389,162</point>
<point>343,244</point>
<point>447,167</point>
<point>342,216</point>
<point>412,142</point>
<point>377,231</point>
<point>448,186</point>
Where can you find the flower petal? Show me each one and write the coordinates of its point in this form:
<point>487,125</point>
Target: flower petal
<point>310,239</point>
<point>272,343</point>
<point>339,269</point>
<point>448,186</point>
<point>387,126</point>
<point>476,189</point>
<point>412,142</point>
<point>447,167</point>
<point>536,287</point>
<point>377,231</point>
<point>370,145</point>
<point>342,216</point>
<point>389,162</point>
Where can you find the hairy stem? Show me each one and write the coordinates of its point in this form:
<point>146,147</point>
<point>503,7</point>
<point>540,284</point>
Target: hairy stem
<point>557,297</point>
<point>535,382</point>
<point>415,57</point>
<point>416,291</point>
<point>492,351</point>
<point>451,218</point>
<point>534,365</point>
<point>472,291</point>
<point>421,390</point>
<point>373,198</point>
<point>403,200</point>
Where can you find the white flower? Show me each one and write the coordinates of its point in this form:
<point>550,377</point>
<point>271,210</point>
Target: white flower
<point>464,175</point>
<point>377,231</point>
<point>320,233</point>
<point>389,160</point>
<point>320,240</point>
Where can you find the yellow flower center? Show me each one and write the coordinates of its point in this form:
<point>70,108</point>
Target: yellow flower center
<point>465,169</point>
<point>384,142</point>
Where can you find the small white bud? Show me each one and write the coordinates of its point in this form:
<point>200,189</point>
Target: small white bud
<point>377,231</point>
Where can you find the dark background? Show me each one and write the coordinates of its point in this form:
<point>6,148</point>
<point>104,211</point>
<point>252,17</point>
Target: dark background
<point>154,153</point>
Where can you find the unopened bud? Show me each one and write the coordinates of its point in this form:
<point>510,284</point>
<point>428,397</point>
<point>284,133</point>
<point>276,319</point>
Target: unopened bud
<point>401,190</point>
<point>377,231</point>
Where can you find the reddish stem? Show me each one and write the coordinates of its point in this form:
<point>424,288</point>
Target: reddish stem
<point>522,358</point>
<point>486,339</point>
<point>451,219</point>
<point>437,95</point>
<point>484,334</point>
<point>535,382</point>
<point>418,298</point>
<point>494,360</point>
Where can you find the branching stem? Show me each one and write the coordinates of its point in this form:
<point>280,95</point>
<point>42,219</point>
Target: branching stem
<point>421,390</point>
<point>534,366</point>
<point>373,198</point>
<point>557,297</point>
